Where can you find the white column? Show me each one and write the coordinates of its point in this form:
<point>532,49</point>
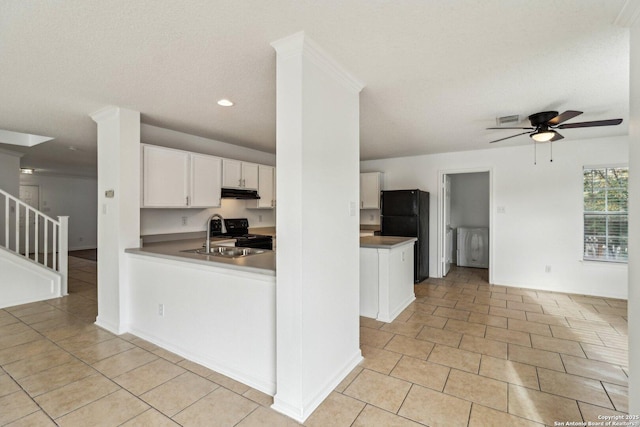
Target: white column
<point>118,210</point>
<point>317,294</point>
<point>634,224</point>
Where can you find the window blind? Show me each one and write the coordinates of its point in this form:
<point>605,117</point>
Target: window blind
<point>605,214</point>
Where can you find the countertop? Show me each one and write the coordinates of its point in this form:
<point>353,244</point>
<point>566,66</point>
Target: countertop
<point>385,242</point>
<point>271,231</point>
<point>264,263</point>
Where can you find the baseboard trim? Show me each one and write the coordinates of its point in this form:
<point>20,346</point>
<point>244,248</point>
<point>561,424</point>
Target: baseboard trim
<point>261,384</point>
<point>398,310</point>
<point>300,414</point>
<point>112,327</point>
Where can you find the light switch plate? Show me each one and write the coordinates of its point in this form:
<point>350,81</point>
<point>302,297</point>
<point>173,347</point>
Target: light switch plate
<point>352,208</point>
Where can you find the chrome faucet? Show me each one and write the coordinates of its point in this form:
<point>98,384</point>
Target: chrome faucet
<point>207,242</point>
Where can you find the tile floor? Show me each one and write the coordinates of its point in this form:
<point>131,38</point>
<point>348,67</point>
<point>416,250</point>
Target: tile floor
<point>464,354</point>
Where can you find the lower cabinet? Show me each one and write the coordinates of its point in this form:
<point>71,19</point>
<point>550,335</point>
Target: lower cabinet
<point>386,281</point>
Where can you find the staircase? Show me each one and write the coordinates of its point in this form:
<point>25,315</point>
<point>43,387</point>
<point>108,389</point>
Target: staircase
<point>33,252</point>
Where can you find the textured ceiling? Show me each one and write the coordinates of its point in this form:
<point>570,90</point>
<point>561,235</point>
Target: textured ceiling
<point>437,73</point>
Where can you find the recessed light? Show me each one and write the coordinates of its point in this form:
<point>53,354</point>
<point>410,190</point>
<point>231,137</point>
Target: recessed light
<point>72,148</point>
<point>27,171</point>
<point>225,103</point>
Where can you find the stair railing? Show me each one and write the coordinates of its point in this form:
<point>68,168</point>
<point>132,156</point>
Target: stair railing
<point>46,243</point>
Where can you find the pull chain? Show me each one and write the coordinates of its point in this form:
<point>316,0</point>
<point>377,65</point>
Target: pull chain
<point>535,153</point>
<point>551,148</point>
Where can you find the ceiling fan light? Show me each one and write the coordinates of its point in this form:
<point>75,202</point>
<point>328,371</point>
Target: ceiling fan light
<point>543,136</point>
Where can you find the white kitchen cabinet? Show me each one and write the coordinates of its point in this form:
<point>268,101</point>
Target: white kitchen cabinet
<point>370,187</point>
<point>206,181</point>
<point>165,179</point>
<point>266,189</point>
<point>250,176</point>
<point>386,276</point>
<point>179,179</point>
<point>237,174</point>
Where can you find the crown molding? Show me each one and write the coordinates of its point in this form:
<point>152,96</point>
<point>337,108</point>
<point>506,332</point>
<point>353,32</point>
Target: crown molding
<point>299,44</point>
<point>105,113</point>
<point>629,14</point>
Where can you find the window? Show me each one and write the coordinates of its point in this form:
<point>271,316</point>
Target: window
<point>605,213</point>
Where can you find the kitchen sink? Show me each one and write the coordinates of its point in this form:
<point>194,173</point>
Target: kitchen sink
<point>227,251</point>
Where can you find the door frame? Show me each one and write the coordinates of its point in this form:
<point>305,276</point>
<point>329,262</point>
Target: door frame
<point>441,234</point>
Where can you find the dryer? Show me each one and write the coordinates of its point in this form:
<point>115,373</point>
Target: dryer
<point>473,247</point>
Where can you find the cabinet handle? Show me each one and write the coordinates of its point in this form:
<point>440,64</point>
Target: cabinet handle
<point>187,199</point>
<point>361,204</point>
<point>240,182</point>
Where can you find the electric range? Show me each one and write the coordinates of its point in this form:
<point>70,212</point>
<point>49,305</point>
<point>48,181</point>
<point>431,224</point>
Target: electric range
<point>238,228</point>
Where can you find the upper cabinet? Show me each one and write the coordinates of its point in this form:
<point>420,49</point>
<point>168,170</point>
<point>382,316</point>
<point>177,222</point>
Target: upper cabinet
<point>370,187</point>
<point>237,174</point>
<point>206,181</point>
<point>179,179</point>
<point>165,177</point>
<point>266,189</point>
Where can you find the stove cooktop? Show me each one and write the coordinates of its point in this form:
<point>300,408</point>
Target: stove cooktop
<point>236,228</point>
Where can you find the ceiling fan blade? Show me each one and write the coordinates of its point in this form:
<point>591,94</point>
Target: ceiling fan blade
<point>512,136</point>
<point>556,137</point>
<point>530,128</point>
<point>560,118</point>
<point>611,122</point>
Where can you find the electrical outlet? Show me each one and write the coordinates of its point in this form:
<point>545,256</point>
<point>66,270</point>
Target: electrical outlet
<point>370,217</point>
<point>547,269</point>
<point>184,221</point>
<point>161,310</point>
<point>80,239</point>
<point>259,218</point>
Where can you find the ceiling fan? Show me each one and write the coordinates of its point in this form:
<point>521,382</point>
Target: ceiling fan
<point>543,125</point>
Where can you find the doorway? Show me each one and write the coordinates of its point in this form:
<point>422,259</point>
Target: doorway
<point>464,212</point>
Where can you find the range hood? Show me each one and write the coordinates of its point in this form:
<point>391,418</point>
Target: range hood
<point>236,193</point>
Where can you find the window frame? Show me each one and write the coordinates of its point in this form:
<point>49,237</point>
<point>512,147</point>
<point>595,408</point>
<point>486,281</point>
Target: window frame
<point>605,214</point>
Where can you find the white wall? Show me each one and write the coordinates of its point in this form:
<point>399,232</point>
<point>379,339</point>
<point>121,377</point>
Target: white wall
<point>75,197</point>
<point>10,171</point>
<point>9,182</point>
<point>542,220</point>
<point>163,221</point>
<point>634,225</point>
<point>470,200</point>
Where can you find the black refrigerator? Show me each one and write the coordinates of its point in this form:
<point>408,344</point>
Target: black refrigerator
<point>406,213</point>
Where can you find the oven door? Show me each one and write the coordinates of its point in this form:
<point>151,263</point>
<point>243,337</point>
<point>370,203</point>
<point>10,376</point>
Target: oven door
<point>264,242</point>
